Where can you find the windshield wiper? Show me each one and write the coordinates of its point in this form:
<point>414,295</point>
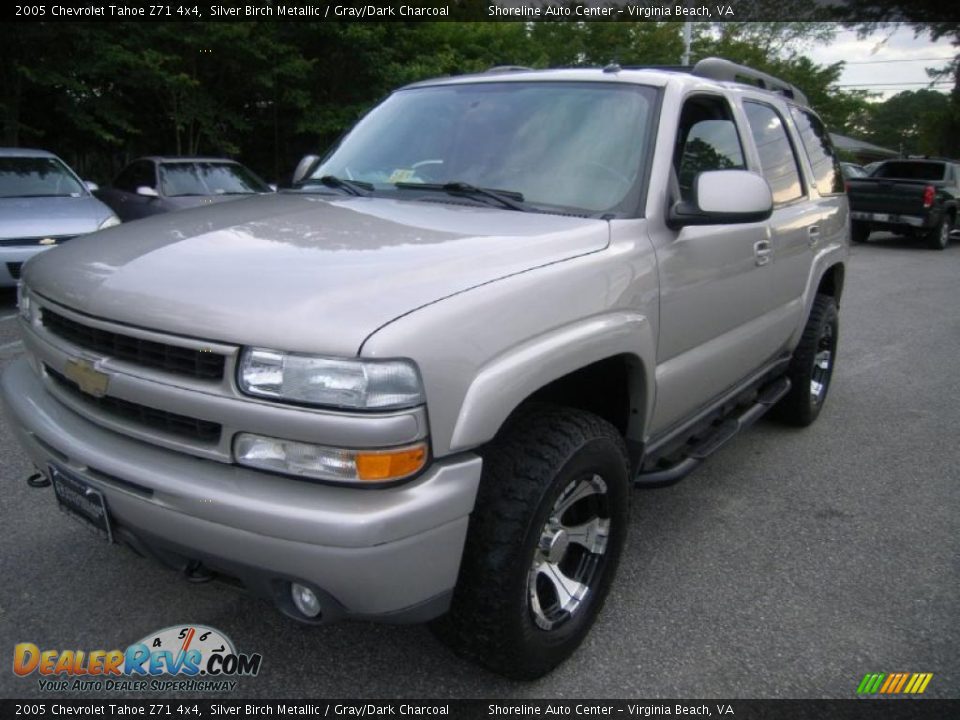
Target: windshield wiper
<point>506,198</point>
<point>354,187</point>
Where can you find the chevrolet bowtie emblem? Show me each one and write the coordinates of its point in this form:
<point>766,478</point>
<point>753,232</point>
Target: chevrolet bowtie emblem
<point>91,381</point>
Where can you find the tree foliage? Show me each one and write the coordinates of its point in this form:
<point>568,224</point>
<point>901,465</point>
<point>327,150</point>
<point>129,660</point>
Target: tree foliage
<point>268,92</point>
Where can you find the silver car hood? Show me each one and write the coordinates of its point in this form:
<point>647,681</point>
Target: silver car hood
<point>300,272</point>
<point>39,217</point>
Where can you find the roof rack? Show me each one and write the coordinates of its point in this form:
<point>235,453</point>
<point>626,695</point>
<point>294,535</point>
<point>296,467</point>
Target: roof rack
<point>720,69</point>
<point>507,69</point>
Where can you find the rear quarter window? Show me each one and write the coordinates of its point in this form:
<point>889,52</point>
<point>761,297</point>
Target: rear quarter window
<point>819,149</point>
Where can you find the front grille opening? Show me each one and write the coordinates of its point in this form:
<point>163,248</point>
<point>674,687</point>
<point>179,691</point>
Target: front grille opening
<point>14,269</point>
<point>190,428</point>
<point>172,358</point>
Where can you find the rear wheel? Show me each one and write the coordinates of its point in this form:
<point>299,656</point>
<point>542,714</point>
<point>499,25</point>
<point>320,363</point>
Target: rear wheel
<point>811,368</point>
<point>543,543</point>
<point>939,237</point>
<point>859,232</point>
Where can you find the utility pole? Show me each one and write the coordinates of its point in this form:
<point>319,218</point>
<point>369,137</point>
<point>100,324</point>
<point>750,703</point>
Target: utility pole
<point>687,27</point>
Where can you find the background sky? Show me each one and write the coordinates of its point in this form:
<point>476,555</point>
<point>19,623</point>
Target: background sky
<point>887,62</point>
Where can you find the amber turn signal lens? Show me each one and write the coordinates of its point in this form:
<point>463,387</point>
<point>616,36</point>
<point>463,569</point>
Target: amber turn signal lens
<point>391,464</point>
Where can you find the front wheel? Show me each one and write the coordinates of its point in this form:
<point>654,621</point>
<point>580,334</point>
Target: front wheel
<point>811,368</point>
<point>543,543</point>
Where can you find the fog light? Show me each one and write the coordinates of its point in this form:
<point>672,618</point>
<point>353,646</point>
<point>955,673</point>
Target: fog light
<point>305,600</point>
<point>328,463</point>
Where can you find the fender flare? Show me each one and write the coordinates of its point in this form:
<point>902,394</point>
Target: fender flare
<point>508,379</point>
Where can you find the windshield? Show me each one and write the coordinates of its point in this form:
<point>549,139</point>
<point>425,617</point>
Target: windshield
<point>206,178</point>
<point>37,177</point>
<point>568,146</point>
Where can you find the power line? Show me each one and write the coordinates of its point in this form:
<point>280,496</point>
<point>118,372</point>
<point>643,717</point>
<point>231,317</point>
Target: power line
<point>877,62</point>
<point>896,84</point>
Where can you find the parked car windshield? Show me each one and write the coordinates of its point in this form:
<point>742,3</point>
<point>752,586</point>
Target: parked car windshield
<point>37,177</point>
<point>207,178</point>
<point>562,146</point>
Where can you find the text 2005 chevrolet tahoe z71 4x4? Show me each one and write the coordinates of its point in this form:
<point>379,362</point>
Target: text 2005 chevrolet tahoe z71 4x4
<point>421,384</point>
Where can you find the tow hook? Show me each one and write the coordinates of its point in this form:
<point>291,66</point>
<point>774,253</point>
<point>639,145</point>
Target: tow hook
<point>38,480</point>
<point>195,572</point>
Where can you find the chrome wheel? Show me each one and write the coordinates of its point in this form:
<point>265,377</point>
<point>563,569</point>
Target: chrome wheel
<point>822,366</point>
<point>567,556</point>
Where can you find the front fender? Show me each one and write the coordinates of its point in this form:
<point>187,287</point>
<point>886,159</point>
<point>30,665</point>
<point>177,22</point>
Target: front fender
<point>504,382</point>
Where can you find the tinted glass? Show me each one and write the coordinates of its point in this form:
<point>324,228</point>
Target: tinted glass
<point>207,178</point>
<point>911,170</point>
<point>709,145</point>
<point>137,174</point>
<point>37,177</point>
<point>823,158</point>
<point>578,146</point>
<point>777,160</point>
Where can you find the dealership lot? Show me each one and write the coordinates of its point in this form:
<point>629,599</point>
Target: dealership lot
<point>791,564</point>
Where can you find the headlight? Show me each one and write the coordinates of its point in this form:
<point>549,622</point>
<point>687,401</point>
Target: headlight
<point>327,463</point>
<point>332,382</point>
<point>109,222</point>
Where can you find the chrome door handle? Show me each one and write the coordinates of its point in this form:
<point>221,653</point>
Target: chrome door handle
<point>762,251</point>
<point>813,232</point>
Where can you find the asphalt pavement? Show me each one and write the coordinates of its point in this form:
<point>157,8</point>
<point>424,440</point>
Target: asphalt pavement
<point>788,566</point>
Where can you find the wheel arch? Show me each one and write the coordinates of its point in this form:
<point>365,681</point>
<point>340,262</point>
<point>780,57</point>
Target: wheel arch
<point>603,365</point>
<point>831,282</point>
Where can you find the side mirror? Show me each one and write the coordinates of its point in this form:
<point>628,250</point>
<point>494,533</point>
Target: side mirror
<point>147,191</point>
<point>724,197</point>
<point>91,185</point>
<point>304,167</point>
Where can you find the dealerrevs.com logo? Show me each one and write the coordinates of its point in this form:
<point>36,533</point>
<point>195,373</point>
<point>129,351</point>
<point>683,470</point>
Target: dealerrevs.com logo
<point>185,658</point>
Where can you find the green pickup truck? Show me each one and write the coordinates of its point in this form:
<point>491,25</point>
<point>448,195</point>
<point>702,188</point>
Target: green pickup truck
<point>910,197</point>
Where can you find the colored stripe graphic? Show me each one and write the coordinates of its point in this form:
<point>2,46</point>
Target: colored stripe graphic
<point>894,683</point>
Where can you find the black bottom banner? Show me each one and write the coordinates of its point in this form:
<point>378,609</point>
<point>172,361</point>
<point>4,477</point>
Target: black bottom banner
<point>868,709</point>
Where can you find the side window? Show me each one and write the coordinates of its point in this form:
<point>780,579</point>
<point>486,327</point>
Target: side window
<point>135,175</point>
<point>707,140</point>
<point>819,149</point>
<point>124,181</point>
<point>778,163</point>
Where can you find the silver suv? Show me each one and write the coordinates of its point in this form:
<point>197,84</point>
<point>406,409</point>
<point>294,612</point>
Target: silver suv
<point>421,384</point>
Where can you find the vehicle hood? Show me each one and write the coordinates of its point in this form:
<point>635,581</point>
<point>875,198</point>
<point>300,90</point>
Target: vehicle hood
<point>300,272</point>
<point>41,217</point>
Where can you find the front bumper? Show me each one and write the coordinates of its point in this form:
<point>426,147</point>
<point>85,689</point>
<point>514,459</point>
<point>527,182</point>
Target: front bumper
<point>12,259</point>
<point>389,554</point>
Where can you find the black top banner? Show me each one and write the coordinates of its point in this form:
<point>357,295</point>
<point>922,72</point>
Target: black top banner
<point>485,10</point>
<point>323,708</point>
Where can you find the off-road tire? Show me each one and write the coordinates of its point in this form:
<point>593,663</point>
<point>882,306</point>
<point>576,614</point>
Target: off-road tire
<point>859,232</point>
<point>802,405</point>
<point>528,470</point>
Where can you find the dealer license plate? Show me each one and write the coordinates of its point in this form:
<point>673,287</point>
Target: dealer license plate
<point>79,500</point>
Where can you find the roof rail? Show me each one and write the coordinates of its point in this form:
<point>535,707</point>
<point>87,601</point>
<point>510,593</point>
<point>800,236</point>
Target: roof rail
<point>720,69</point>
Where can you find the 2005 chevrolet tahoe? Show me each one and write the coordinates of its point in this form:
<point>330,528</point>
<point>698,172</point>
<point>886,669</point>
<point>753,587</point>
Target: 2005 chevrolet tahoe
<point>421,384</point>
